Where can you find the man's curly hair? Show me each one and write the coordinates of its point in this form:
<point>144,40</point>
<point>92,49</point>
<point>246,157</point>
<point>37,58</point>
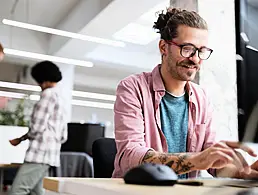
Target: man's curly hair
<point>168,22</point>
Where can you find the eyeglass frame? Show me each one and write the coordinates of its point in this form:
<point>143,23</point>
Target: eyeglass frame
<point>195,49</point>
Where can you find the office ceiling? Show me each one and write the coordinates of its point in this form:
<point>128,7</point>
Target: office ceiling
<point>124,20</point>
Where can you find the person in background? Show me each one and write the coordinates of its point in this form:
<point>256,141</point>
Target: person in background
<point>3,100</point>
<point>1,52</point>
<point>162,117</point>
<point>47,131</point>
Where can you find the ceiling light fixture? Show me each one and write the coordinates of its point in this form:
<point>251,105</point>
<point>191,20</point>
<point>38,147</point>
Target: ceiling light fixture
<point>136,33</point>
<point>82,94</point>
<point>19,86</point>
<point>63,33</point>
<point>39,56</point>
<point>94,95</point>
<point>74,102</point>
<point>92,104</point>
<point>12,94</point>
<point>244,37</point>
<point>252,48</point>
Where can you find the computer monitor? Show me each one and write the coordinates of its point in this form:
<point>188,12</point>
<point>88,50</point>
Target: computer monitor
<point>247,69</point>
<point>82,136</point>
<point>251,130</point>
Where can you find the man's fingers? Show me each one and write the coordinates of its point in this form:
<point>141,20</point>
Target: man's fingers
<point>219,159</point>
<point>232,157</point>
<point>252,175</point>
<point>247,168</point>
<point>219,164</point>
<point>236,145</point>
<point>255,165</point>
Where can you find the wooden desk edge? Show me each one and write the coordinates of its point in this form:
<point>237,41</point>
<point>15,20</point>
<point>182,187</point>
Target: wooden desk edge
<point>12,165</point>
<point>51,184</point>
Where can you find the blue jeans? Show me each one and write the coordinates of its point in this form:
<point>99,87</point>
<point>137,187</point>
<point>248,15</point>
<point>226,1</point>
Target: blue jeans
<point>29,179</point>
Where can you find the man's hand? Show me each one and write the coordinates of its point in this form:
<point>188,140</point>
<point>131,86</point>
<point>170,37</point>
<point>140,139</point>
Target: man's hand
<point>222,154</point>
<point>15,142</point>
<point>218,156</point>
<point>233,171</point>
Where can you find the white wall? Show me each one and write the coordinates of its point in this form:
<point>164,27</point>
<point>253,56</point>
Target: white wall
<point>9,153</point>
<point>218,74</point>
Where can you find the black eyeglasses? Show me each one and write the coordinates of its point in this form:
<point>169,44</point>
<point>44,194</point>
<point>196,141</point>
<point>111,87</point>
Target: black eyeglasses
<point>188,50</point>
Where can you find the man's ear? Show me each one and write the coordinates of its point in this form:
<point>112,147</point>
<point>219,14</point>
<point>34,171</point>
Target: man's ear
<point>162,47</point>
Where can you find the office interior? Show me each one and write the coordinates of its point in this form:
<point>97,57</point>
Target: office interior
<point>97,43</point>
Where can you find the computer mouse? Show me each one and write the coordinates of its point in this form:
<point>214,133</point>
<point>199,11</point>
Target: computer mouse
<point>151,174</point>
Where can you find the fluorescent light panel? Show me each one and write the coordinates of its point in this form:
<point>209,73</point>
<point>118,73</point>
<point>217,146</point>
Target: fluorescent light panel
<point>252,48</point>
<point>19,86</point>
<point>94,95</point>
<point>152,15</point>
<point>74,93</point>
<point>92,104</point>
<point>18,95</point>
<point>34,97</point>
<point>63,33</point>
<point>244,37</point>
<point>74,102</point>
<point>38,56</point>
<point>137,34</point>
<point>12,94</point>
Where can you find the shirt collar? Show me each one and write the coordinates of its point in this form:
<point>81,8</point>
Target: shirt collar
<point>158,84</point>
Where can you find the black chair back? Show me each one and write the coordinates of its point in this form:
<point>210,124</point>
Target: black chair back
<point>104,152</point>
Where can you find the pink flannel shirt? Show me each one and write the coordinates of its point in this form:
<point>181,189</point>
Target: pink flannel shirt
<point>137,120</point>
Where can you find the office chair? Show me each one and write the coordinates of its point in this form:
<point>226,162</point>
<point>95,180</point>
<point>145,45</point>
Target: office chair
<point>104,152</point>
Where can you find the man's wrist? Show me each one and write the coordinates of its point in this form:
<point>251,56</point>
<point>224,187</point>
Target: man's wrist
<point>194,159</point>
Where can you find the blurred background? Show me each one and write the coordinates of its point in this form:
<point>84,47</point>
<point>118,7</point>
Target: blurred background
<point>96,43</point>
<point>120,42</point>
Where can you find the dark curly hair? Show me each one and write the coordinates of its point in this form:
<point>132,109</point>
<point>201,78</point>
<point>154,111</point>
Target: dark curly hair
<point>46,71</point>
<point>168,22</point>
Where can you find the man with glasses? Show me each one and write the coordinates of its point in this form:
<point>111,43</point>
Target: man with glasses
<point>162,117</point>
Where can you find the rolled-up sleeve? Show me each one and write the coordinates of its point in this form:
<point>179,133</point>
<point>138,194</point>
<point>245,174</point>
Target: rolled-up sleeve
<point>129,126</point>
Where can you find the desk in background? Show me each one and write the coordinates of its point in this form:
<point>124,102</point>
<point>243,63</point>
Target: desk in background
<point>96,186</point>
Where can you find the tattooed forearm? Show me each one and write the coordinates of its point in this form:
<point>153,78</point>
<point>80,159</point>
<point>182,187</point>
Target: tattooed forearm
<point>149,155</point>
<point>180,163</point>
<point>170,163</point>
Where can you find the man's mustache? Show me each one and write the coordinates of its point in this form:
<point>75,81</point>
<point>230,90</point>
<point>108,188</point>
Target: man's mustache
<point>188,63</point>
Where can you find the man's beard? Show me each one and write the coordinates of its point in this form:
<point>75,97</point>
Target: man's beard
<point>184,70</point>
<point>188,63</point>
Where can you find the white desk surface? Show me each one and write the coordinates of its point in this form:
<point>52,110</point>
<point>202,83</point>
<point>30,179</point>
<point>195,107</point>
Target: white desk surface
<point>95,186</point>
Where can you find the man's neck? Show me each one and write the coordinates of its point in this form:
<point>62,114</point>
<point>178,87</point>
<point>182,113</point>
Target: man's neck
<point>173,86</point>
